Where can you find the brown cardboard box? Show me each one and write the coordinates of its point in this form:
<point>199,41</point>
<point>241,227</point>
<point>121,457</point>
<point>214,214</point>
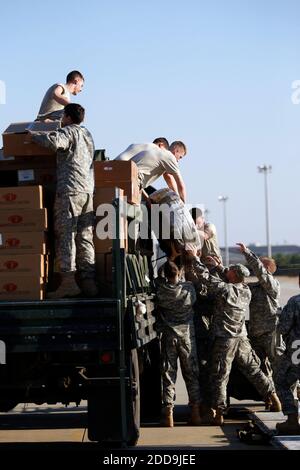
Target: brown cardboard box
<point>115,171</point>
<point>121,174</point>
<point>105,245</point>
<point>105,196</point>
<point>21,198</point>
<point>21,288</point>
<point>130,188</point>
<point>22,243</point>
<point>14,142</point>
<point>45,177</point>
<point>26,162</point>
<point>22,265</point>
<point>23,220</point>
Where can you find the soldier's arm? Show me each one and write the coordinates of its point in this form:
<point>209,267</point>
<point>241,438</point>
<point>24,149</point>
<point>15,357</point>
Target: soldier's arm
<point>214,284</point>
<point>266,279</point>
<point>54,140</point>
<point>287,317</point>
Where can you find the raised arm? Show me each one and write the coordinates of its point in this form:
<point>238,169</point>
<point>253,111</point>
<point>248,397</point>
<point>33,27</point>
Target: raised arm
<point>54,140</point>
<point>266,279</point>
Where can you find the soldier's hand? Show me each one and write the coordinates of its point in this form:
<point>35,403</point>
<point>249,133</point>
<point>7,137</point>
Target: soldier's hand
<point>242,247</point>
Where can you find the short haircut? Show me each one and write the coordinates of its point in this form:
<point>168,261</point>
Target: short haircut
<point>170,269</point>
<point>75,112</point>
<point>161,140</point>
<point>178,143</point>
<point>195,213</point>
<point>73,75</point>
<point>269,263</point>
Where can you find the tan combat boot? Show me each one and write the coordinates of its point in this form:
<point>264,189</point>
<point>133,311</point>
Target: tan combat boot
<point>67,288</point>
<point>89,287</point>
<point>219,420</point>
<point>167,417</point>
<point>194,419</point>
<point>290,426</point>
<point>275,402</point>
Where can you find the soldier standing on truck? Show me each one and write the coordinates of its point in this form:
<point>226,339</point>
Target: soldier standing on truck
<point>287,366</point>
<point>157,161</point>
<point>264,307</point>
<point>175,300</point>
<point>230,341</point>
<point>58,96</point>
<point>73,210</point>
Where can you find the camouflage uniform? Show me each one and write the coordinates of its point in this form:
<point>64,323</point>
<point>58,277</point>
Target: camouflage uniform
<point>287,371</point>
<point>230,337</point>
<point>175,303</point>
<point>264,306</point>
<point>73,211</point>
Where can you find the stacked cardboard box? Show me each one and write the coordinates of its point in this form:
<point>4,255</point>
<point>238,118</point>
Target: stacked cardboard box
<point>23,264</point>
<point>120,174</point>
<point>105,233</point>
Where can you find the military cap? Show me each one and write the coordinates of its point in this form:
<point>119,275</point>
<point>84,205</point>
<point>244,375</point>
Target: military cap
<point>240,269</point>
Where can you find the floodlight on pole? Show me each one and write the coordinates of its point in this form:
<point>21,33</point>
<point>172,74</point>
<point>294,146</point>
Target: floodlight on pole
<point>224,199</point>
<point>266,169</point>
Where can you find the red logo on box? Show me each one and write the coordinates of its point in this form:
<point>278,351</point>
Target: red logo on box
<point>9,197</point>
<point>11,264</point>
<point>12,242</point>
<point>10,287</point>
<point>15,219</point>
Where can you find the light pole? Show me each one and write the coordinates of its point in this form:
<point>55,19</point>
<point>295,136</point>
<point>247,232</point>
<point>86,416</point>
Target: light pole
<point>265,169</point>
<point>224,199</point>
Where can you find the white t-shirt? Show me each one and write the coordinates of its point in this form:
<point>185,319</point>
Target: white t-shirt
<point>151,160</point>
<point>134,149</point>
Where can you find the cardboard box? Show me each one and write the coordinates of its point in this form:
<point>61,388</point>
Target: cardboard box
<point>21,198</point>
<point>26,162</point>
<point>14,143</point>
<point>23,265</point>
<point>21,288</point>
<point>44,177</point>
<point>120,174</point>
<point>23,220</point>
<point>115,171</point>
<point>106,225</point>
<point>12,243</point>
<point>105,196</point>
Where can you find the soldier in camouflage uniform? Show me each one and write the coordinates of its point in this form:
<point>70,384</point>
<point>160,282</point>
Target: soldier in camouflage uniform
<point>231,343</point>
<point>73,212</point>
<point>264,307</point>
<point>175,300</point>
<point>287,366</point>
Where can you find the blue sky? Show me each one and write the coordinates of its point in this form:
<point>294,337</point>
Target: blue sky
<point>217,75</point>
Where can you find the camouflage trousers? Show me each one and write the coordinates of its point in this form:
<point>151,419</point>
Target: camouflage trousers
<point>262,345</point>
<point>73,226</point>
<point>286,376</point>
<point>182,347</point>
<point>227,350</point>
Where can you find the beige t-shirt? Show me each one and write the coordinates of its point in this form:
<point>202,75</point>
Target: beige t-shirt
<point>50,108</point>
<point>210,247</point>
<point>153,163</point>
<point>134,149</point>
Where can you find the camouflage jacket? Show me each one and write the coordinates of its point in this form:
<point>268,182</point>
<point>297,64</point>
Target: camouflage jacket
<point>289,322</point>
<point>264,304</point>
<point>231,303</point>
<point>75,152</point>
<point>175,304</point>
